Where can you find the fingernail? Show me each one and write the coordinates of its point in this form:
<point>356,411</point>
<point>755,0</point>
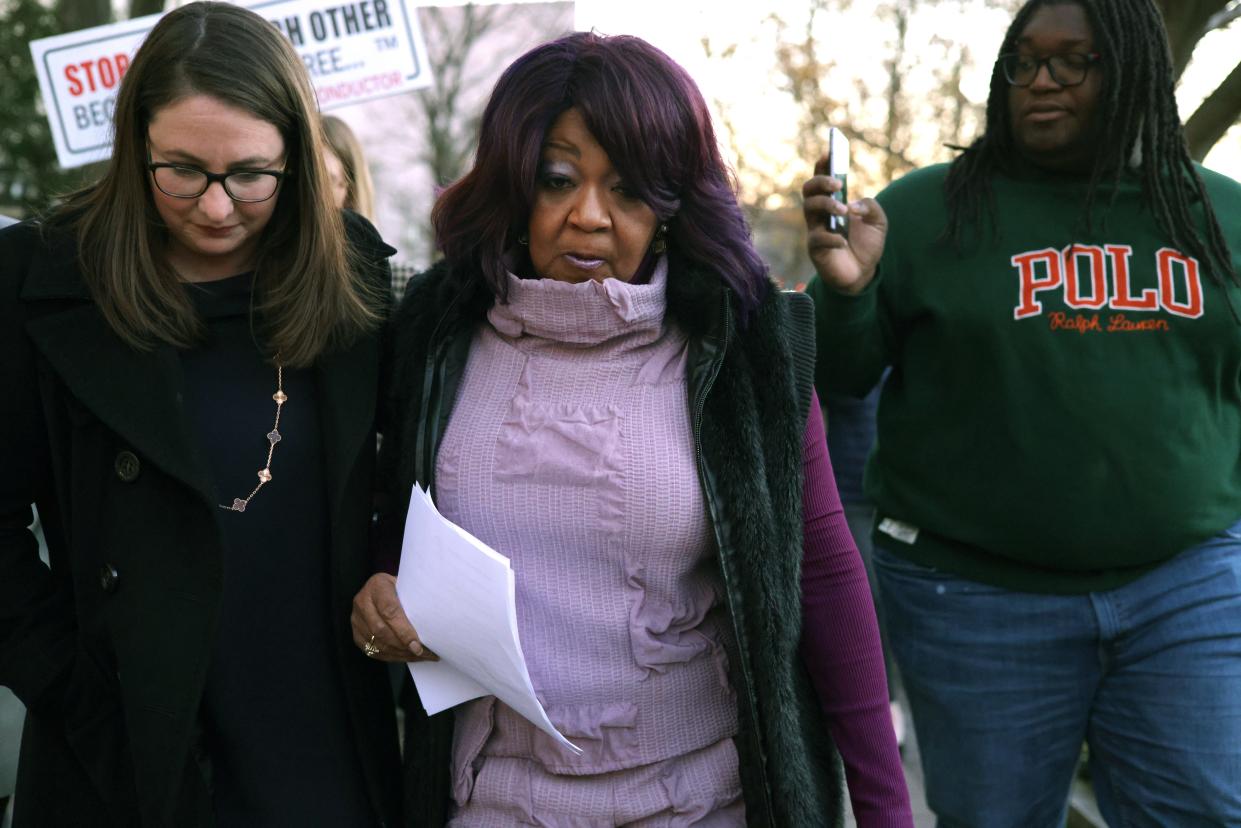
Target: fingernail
<point>415,648</point>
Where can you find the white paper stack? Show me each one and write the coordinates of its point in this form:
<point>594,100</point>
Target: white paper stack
<point>460,595</point>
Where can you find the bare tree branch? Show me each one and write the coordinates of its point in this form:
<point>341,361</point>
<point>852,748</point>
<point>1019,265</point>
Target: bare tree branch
<point>451,37</point>
<point>1215,116</point>
<point>1186,22</point>
<point>467,46</point>
<point>896,128</point>
<point>1222,19</point>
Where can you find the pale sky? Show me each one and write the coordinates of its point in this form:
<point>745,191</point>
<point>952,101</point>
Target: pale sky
<point>763,115</point>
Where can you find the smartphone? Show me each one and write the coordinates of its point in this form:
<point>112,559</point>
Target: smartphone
<point>838,167</point>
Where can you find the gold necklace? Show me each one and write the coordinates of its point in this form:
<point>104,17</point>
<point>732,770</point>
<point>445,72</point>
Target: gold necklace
<point>273,437</point>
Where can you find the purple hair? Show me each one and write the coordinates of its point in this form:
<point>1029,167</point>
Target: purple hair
<point>647,114</point>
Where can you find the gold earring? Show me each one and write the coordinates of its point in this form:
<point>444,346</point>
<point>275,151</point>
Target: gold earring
<point>660,244</point>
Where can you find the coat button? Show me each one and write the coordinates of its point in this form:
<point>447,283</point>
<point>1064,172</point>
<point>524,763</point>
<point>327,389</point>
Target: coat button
<point>127,466</point>
<point>108,576</point>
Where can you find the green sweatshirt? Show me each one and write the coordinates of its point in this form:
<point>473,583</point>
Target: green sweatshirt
<point>1064,407</point>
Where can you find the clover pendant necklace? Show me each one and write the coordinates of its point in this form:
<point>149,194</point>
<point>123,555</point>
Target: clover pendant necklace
<point>240,503</point>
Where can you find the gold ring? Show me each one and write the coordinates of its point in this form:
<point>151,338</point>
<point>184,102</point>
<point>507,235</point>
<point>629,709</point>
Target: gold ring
<point>371,648</point>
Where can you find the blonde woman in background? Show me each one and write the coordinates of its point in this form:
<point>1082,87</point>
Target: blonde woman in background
<point>352,188</point>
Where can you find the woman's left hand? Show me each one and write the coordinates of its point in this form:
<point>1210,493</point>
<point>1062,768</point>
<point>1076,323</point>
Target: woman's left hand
<point>380,627</point>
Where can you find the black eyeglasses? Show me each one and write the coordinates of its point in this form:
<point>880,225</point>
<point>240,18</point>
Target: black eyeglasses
<point>1066,70</point>
<point>182,181</point>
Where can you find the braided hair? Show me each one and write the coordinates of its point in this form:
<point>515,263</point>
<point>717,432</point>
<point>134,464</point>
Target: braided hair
<point>1138,110</point>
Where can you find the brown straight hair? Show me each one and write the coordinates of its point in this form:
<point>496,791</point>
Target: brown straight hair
<point>309,294</point>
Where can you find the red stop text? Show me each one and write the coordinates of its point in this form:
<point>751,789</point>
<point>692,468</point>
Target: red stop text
<point>94,75</point>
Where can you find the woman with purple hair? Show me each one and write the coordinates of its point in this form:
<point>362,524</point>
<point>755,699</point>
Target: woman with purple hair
<point>601,382</point>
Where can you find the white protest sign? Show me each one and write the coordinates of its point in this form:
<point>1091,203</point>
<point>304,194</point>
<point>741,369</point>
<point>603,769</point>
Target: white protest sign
<point>354,51</point>
<point>79,74</point>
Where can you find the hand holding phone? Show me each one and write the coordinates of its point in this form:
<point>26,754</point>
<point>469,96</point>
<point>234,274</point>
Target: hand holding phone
<point>845,239</point>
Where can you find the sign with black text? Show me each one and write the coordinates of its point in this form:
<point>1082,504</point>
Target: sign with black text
<point>354,51</point>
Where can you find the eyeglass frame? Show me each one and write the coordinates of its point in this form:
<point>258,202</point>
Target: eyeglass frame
<point>279,175</point>
<point>1091,59</point>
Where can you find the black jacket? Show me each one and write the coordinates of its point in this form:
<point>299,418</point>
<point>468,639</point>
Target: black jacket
<point>109,649</point>
<point>750,390</point>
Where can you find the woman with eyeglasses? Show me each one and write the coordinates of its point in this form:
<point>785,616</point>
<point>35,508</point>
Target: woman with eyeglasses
<point>190,363</point>
<point>1058,467</point>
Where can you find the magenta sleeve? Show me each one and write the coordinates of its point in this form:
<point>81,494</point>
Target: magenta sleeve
<point>841,645</point>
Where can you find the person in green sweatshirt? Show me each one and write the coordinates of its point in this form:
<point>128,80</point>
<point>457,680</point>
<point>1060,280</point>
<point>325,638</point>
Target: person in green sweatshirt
<point>1058,467</point>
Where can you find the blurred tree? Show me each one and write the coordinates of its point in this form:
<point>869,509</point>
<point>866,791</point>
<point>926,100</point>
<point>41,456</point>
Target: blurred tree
<point>30,177</point>
<point>141,8</point>
<point>1188,21</point>
<point>913,111</point>
<point>906,114</point>
<point>82,14</point>
<point>451,36</point>
<point>451,109</point>
<point>468,46</point>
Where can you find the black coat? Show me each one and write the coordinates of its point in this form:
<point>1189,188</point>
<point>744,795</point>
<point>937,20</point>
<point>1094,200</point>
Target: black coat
<point>109,649</point>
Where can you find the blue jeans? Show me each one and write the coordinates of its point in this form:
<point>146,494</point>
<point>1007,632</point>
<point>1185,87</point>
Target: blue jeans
<point>1005,686</point>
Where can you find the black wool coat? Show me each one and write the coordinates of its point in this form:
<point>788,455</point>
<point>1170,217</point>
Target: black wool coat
<point>750,389</point>
<point>109,647</point>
